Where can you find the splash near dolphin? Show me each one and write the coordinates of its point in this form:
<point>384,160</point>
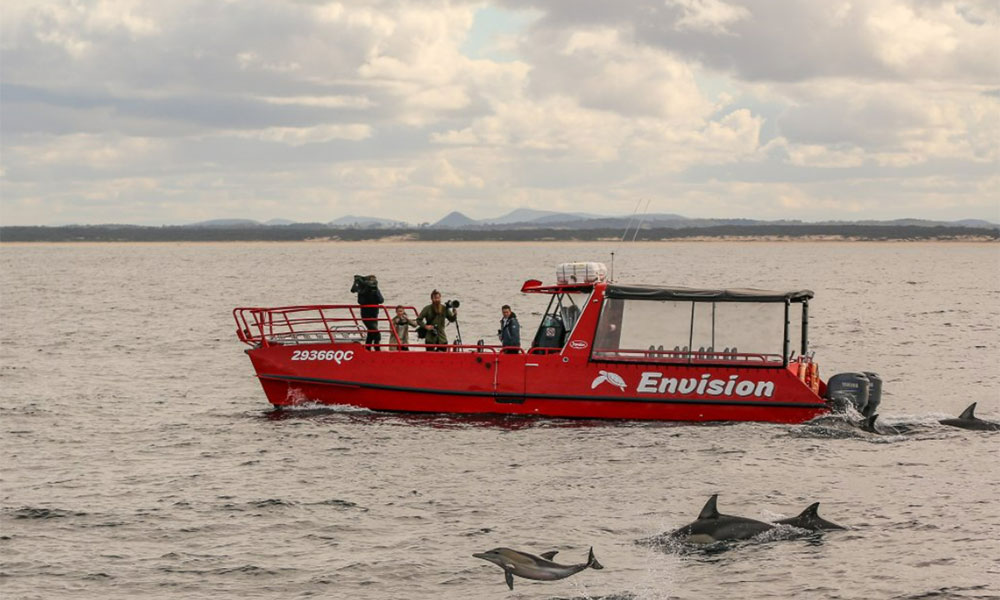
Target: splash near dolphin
<point>529,566</point>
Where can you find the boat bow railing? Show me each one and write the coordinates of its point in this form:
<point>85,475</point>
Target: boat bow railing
<point>314,324</point>
<point>334,323</point>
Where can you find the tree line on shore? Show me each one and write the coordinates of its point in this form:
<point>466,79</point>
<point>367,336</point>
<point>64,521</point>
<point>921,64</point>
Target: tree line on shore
<point>291,233</point>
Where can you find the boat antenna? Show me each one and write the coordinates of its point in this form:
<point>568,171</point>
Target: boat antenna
<point>630,219</point>
<point>639,226</point>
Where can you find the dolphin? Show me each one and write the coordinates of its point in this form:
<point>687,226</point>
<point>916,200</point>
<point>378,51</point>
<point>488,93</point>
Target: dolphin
<point>712,526</point>
<point>968,420</point>
<point>529,566</point>
<point>870,426</point>
<point>809,519</point>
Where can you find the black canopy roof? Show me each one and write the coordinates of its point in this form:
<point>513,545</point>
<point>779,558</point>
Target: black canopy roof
<point>648,292</point>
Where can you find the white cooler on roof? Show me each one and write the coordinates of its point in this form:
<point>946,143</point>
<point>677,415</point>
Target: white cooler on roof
<point>580,272</point>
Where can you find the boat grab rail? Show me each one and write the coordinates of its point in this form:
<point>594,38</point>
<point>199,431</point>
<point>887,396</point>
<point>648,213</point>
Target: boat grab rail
<point>466,348</point>
<point>312,324</point>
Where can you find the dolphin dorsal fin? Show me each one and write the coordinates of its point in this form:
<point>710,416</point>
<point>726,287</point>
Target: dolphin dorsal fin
<point>710,511</point>
<point>969,413</point>
<point>870,423</point>
<point>548,555</point>
<point>811,511</point>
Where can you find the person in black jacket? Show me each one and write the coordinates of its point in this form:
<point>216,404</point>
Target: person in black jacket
<point>510,329</point>
<point>369,297</point>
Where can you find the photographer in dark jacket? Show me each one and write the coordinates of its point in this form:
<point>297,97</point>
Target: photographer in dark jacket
<point>510,329</point>
<point>369,297</point>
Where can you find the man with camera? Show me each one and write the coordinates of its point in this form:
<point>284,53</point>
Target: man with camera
<point>431,322</point>
<point>369,297</point>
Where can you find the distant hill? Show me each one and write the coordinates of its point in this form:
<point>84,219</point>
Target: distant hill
<point>530,218</point>
<point>453,220</point>
<point>975,223</point>
<point>353,221</point>
<point>531,215</point>
<point>227,223</point>
<point>322,231</point>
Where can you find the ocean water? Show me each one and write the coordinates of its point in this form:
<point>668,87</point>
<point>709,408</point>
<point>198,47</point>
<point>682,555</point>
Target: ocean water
<point>141,459</point>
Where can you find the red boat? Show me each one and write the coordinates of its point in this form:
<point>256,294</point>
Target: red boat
<point>602,351</point>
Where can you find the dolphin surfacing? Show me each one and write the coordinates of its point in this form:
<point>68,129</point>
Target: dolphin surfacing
<point>969,420</point>
<point>810,520</point>
<point>711,526</point>
<point>871,426</point>
<point>529,566</point>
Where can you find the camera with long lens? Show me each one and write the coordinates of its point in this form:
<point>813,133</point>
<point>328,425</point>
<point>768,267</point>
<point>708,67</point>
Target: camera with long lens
<point>452,304</point>
<point>363,284</point>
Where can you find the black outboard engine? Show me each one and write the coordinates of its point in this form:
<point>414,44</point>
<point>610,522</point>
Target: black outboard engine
<point>850,389</point>
<point>874,393</point>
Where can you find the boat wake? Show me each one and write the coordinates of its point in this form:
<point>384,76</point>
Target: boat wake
<point>882,429</point>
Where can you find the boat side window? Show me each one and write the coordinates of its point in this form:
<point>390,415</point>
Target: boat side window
<point>691,331</point>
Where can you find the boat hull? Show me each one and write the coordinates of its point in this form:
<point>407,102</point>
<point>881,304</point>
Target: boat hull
<point>549,385</point>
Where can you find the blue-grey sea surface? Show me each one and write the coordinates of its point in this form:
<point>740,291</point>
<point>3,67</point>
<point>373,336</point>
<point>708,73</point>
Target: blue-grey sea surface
<point>141,459</point>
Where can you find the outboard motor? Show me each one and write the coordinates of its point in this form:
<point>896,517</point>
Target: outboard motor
<point>874,393</point>
<point>849,389</point>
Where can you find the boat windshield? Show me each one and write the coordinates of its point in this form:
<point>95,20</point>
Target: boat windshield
<point>700,331</point>
<point>559,320</point>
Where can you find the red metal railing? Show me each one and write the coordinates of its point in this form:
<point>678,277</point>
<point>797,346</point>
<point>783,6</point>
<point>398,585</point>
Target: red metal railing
<point>329,323</point>
<point>333,323</point>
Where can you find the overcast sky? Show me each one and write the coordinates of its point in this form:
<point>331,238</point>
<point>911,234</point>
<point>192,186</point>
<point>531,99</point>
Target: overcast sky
<point>133,111</point>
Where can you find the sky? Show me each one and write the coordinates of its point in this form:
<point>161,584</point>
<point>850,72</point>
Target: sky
<point>131,111</point>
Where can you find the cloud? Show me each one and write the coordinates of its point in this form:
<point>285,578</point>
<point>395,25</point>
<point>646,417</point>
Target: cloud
<point>709,16</point>
<point>297,136</point>
<point>119,109</point>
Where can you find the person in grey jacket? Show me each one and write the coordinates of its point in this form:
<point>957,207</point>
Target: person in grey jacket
<point>510,330</point>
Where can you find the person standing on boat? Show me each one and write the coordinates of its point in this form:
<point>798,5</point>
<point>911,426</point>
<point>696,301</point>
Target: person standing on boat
<point>401,323</point>
<point>369,297</point>
<point>432,319</point>
<point>510,330</point>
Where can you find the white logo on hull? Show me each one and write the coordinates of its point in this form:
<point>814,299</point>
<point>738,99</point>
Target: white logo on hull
<point>705,385</point>
<point>656,383</point>
<point>609,377</point>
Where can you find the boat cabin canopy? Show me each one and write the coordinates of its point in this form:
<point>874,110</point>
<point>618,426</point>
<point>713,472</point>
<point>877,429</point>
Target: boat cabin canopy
<point>645,292</point>
<point>744,327</point>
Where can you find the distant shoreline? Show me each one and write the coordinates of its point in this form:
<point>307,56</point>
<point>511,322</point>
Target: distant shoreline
<point>387,242</point>
<point>727,233</point>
